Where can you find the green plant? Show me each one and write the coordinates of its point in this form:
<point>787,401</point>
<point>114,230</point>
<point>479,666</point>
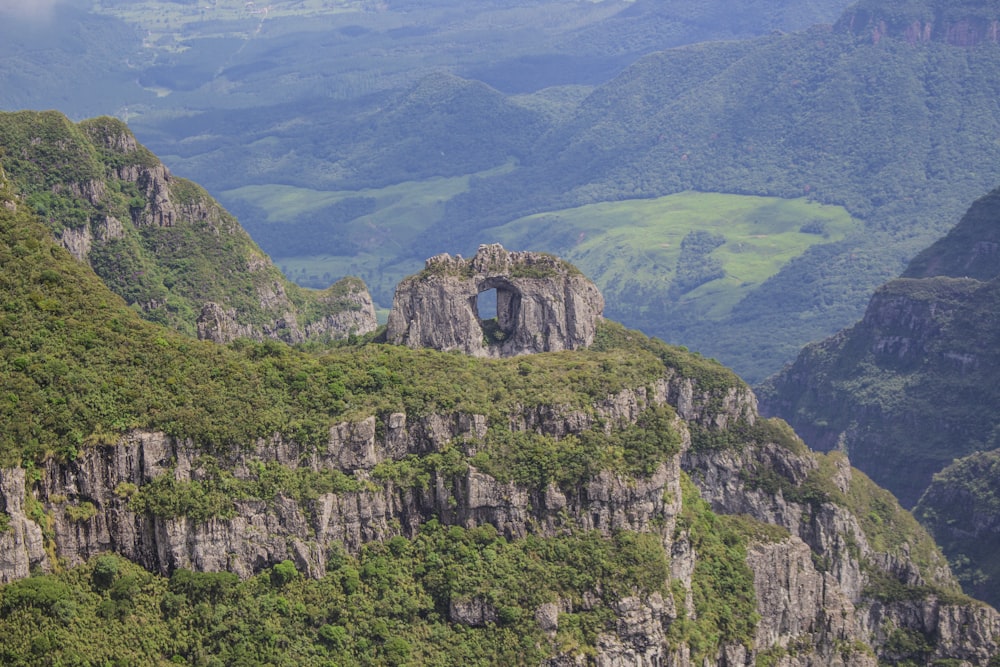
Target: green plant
<point>85,511</point>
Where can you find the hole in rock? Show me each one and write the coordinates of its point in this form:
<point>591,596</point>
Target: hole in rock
<point>486,304</point>
<point>497,308</point>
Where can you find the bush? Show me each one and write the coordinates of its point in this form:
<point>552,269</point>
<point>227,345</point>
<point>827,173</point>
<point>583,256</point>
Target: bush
<point>105,571</point>
<point>283,573</point>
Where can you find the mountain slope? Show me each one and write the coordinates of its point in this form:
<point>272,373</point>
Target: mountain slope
<point>900,134</point>
<point>916,380</point>
<point>411,504</point>
<point>161,242</point>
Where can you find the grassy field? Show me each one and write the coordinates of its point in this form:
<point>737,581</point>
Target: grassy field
<point>635,244</point>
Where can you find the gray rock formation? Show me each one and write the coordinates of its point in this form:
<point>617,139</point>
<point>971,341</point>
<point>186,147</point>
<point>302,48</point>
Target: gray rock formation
<point>543,305</point>
<point>351,311</point>
<point>21,545</point>
<point>810,583</point>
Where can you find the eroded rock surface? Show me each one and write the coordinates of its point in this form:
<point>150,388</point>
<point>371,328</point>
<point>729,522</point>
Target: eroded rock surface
<point>543,304</point>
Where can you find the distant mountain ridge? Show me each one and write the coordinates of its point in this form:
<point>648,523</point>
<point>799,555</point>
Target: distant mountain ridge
<point>964,23</point>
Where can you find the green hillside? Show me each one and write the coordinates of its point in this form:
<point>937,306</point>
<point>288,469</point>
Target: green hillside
<point>160,242</point>
<point>916,381</point>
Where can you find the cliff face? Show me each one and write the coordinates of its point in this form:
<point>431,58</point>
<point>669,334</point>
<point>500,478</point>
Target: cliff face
<point>706,535</point>
<point>818,571</point>
<point>542,303</point>
<point>953,23</point>
<point>160,242</point>
<point>915,380</point>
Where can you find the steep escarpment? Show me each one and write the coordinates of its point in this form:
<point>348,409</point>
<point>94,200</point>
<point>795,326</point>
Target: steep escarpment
<point>964,23</point>
<point>160,242</point>
<point>915,380</point>
<point>622,503</point>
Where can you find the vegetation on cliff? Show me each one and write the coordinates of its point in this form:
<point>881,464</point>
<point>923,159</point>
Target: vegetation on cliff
<point>915,381</point>
<point>159,242</point>
<point>389,605</point>
<point>79,369</point>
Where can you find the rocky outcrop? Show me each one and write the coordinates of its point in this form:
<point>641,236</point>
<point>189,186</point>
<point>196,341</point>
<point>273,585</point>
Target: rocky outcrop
<point>218,324</point>
<point>818,584</point>
<point>796,601</point>
<point>924,22</point>
<point>350,312</point>
<point>811,584</point>
<point>21,544</point>
<point>543,305</point>
<point>349,309</point>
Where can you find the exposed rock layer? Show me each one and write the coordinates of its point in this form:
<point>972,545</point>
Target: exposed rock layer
<point>542,303</point>
<point>810,586</point>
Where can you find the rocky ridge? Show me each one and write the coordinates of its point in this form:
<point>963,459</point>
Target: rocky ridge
<point>816,585</point>
<point>161,242</point>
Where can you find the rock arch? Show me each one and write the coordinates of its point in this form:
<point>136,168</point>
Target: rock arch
<point>543,305</point>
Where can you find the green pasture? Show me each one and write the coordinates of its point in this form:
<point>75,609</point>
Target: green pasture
<point>634,245</point>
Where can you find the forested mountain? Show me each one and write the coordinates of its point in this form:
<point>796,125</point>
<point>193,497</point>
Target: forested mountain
<point>914,386</point>
<point>160,242</point>
<point>315,97</point>
<point>182,501</point>
<point>896,129</point>
<point>899,134</point>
